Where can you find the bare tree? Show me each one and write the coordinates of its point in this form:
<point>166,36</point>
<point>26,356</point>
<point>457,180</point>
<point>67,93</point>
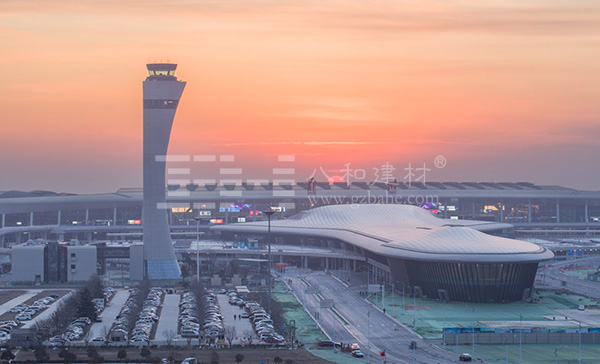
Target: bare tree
<point>169,336</point>
<point>248,334</point>
<point>106,333</point>
<point>230,332</point>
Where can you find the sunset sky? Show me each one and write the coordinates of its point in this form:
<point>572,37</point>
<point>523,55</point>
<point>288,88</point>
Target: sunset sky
<point>504,90</point>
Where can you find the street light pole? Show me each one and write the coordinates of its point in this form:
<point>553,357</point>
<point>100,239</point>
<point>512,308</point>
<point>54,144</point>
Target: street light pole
<point>269,213</point>
<point>197,249</point>
<point>414,324</point>
<point>579,342</point>
<point>473,312</point>
<point>520,339</point>
<point>368,336</point>
<point>444,324</point>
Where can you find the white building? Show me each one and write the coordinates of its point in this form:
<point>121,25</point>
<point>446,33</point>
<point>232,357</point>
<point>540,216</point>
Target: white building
<point>53,262</point>
<point>28,263</point>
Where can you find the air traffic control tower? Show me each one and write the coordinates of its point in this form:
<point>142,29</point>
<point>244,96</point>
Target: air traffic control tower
<point>162,92</point>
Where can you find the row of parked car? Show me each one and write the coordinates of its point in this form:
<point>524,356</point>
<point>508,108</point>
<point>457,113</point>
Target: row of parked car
<point>236,299</point>
<point>213,320</point>
<point>74,332</point>
<point>142,330</point>
<point>262,323</point>
<point>5,329</point>
<point>120,330</point>
<point>189,324</point>
<point>27,312</point>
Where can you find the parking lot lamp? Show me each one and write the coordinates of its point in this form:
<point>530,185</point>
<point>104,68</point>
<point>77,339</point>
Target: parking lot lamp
<point>269,213</point>
<point>520,339</point>
<point>197,248</point>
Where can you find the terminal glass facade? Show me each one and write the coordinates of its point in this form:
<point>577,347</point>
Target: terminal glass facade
<point>473,282</point>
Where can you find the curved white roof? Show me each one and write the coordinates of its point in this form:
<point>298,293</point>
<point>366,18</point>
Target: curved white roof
<point>403,231</point>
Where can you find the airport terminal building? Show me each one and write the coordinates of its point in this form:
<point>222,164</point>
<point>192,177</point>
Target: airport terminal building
<point>438,258</point>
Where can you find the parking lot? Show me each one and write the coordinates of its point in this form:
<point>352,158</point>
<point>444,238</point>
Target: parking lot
<point>109,315</point>
<point>243,327</point>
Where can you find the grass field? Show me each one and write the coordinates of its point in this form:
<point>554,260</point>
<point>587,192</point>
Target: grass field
<point>579,273</point>
<point>306,330</point>
<point>533,354</point>
<point>432,316</point>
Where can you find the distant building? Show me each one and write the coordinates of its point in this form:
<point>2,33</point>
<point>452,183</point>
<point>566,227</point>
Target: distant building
<point>53,262</point>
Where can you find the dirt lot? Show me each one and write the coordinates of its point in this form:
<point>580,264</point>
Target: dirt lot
<point>7,295</point>
<point>226,356</point>
<point>60,292</point>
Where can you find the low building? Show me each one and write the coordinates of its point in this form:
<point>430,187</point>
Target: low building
<point>53,262</point>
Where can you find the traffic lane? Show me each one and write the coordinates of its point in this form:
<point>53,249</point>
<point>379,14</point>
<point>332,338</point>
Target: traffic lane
<point>554,278</point>
<point>359,329</point>
<point>385,331</point>
<point>373,339</point>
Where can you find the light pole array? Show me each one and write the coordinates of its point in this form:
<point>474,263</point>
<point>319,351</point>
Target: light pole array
<point>269,213</point>
<point>579,342</point>
<point>520,339</point>
<point>368,336</point>
<point>197,249</point>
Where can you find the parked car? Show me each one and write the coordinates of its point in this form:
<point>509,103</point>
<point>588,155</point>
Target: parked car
<point>465,357</point>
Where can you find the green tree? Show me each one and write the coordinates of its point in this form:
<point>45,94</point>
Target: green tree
<point>92,352</point>
<point>214,357</point>
<point>185,273</point>
<point>67,356</point>
<point>41,354</point>
<point>7,355</point>
<point>239,358</point>
<point>96,287</point>
<point>85,305</point>
<point>145,352</point>
<point>122,354</point>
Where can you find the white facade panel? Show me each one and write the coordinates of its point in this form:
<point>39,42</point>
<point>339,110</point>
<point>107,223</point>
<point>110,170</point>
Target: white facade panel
<point>27,263</point>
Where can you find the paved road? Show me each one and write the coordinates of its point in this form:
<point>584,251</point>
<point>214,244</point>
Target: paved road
<point>555,277</point>
<point>168,316</point>
<point>365,324</point>
<point>109,316</point>
<point>243,327</point>
<point>18,300</point>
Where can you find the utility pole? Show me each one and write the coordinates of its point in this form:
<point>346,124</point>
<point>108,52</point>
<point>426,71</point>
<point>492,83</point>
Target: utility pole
<point>269,213</point>
<point>369,336</point>
<point>197,248</point>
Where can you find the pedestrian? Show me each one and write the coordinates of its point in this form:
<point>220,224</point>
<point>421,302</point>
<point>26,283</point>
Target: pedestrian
<point>384,310</point>
<point>234,317</point>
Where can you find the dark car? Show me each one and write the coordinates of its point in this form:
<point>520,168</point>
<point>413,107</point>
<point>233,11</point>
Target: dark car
<point>326,343</point>
<point>465,357</point>
<point>357,354</point>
